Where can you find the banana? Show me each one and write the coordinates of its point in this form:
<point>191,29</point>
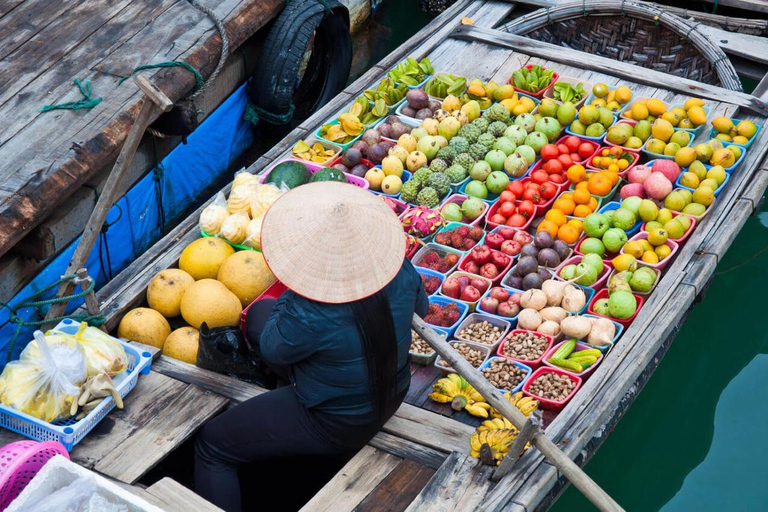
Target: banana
<point>476,410</point>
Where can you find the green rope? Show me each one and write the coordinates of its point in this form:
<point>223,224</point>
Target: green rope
<point>85,102</point>
<point>94,320</point>
<point>254,114</point>
<point>169,64</point>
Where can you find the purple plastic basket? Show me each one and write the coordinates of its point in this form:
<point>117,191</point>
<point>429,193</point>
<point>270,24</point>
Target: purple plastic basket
<point>20,462</point>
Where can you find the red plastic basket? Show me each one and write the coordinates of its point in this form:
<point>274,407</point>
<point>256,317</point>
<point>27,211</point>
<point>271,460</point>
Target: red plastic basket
<point>536,362</point>
<point>538,209</point>
<point>561,187</point>
<point>551,405</point>
<point>603,294</point>
<point>20,462</point>
<point>274,291</point>
<point>540,94</point>
<point>643,235</point>
<point>495,281</point>
<point>579,347</point>
<point>595,146</point>
<point>575,260</point>
<point>492,225</point>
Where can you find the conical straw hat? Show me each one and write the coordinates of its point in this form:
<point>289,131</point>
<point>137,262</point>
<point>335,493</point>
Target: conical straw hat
<point>332,242</point>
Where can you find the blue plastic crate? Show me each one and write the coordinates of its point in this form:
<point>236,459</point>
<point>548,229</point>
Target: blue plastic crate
<point>713,133</point>
<point>732,168</point>
<point>463,309</point>
<point>599,139</point>
<point>717,192</point>
<point>615,205</point>
<point>527,369</point>
<point>69,432</point>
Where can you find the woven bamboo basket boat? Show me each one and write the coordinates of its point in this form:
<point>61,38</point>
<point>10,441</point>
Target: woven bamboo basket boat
<point>631,32</point>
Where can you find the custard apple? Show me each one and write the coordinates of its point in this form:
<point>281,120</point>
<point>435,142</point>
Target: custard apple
<point>438,165</point>
<point>460,144</point>
<point>409,191</point>
<point>481,124</point>
<point>497,128</point>
<point>456,173</point>
<point>478,151</point>
<point>428,197</point>
<point>447,153</point>
<point>470,132</point>
<point>487,140</point>
<point>440,182</point>
<point>465,160</point>
<point>498,112</point>
<point>420,176</point>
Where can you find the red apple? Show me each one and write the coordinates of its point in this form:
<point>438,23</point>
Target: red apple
<point>471,267</point>
<point>499,293</point>
<point>470,294</point>
<point>489,305</point>
<point>511,247</point>
<point>489,271</point>
<point>499,259</point>
<point>506,309</point>
<point>481,254</point>
<point>451,288</point>
<point>479,284</point>
<point>522,237</point>
<point>507,233</point>
<point>494,241</point>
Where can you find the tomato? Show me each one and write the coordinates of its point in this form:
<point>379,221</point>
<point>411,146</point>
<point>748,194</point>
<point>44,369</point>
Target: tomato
<point>540,176</point>
<point>565,160</point>
<point>575,157</point>
<point>549,152</point>
<point>526,209</point>
<point>586,150</point>
<point>563,149</point>
<point>506,195</point>
<point>507,209</point>
<point>531,185</point>
<point>531,195</point>
<point>573,143</point>
<point>516,221</point>
<point>498,219</point>
<point>553,166</point>
<point>516,187</point>
<point>556,178</point>
<point>548,190</point>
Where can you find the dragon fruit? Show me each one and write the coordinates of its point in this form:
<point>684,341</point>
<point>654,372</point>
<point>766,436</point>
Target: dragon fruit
<point>422,222</point>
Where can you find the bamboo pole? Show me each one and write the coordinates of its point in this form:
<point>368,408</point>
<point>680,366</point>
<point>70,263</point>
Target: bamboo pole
<point>549,449</point>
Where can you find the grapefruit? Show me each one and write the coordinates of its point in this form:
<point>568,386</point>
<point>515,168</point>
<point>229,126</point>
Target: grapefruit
<point>166,289</point>
<point>247,275</point>
<point>202,258</point>
<point>209,301</point>
<point>145,326</point>
<point>182,344</point>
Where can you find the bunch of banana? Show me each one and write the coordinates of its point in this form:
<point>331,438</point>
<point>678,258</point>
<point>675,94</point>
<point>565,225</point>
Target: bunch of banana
<point>367,114</point>
<point>445,84</point>
<point>410,72</point>
<point>490,446</point>
<point>565,358</point>
<point>497,424</point>
<point>456,390</point>
<point>532,80</point>
<point>525,404</point>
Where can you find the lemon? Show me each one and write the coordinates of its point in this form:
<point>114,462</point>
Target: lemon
<point>650,257</point>
<point>657,237</point>
<point>663,251</point>
<point>624,262</point>
<point>746,129</point>
<point>600,90</point>
<point>662,129</point>
<point>685,157</point>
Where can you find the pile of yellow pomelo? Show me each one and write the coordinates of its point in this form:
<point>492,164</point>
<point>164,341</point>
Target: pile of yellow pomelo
<point>212,284</point>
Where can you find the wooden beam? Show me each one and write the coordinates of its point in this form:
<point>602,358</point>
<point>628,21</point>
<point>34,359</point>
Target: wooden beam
<point>531,426</point>
<point>620,69</point>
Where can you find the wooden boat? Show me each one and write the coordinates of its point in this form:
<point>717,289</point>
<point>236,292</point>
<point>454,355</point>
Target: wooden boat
<point>419,461</point>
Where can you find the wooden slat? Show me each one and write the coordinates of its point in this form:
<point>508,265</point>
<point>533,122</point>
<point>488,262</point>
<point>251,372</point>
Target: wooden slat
<point>398,489</point>
<point>26,21</point>
<point>429,429</point>
<point>408,450</point>
<point>459,485</point>
<point>353,482</point>
<point>177,498</point>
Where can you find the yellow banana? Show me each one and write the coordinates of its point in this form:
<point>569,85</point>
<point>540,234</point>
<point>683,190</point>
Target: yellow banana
<point>440,398</point>
<point>476,410</point>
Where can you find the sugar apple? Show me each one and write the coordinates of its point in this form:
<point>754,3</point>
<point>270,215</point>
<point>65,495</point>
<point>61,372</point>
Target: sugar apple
<point>421,175</point>
<point>487,140</point>
<point>470,132</point>
<point>481,124</point>
<point>448,153</point>
<point>428,197</point>
<point>465,160</point>
<point>478,151</point>
<point>456,173</point>
<point>409,191</point>
<point>438,165</point>
<point>497,128</point>
<point>460,144</point>
<point>498,112</point>
<point>440,182</point>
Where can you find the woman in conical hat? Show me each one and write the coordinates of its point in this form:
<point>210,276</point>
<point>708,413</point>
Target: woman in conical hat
<point>340,335</point>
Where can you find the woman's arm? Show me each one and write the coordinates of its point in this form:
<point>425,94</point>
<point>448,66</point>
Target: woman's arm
<point>287,338</point>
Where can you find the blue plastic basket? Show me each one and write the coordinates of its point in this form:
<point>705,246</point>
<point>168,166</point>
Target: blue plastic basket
<point>693,131</point>
<point>407,175</point>
<point>717,191</point>
<point>527,369</point>
<point>615,205</point>
<point>463,309</point>
<point>732,168</point>
<point>431,273</point>
<point>713,133</point>
<point>512,320</point>
<point>69,432</point>
<point>606,348</point>
<point>655,156</point>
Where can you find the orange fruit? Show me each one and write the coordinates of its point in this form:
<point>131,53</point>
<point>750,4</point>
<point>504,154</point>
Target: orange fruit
<point>612,176</point>
<point>592,203</point>
<point>596,161</point>
<point>565,205</point>
<point>567,195</point>
<point>616,151</point>
<point>582,185</point>
<point>576,223</point>
<point>576,173</point>
<point>581,211</point>
<point>568,234</point>
<point>581,196</point>
<point>613,168</point>
<point>556,216</point>
<point>623,164</point>
<point>548,226</point>
<point>598,184</point>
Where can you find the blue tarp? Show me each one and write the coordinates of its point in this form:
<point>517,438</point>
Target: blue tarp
<point>135,222</point>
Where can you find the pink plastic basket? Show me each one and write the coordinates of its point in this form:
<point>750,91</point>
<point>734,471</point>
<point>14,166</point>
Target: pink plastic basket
<point>20,462</point>
<point>313,168</point>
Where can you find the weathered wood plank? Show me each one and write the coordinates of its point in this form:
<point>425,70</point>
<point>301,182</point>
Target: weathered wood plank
<point>177,498</point>
<point>398,489</point>
<point>408,450</point>
<point>354,482</point>
<point>429,429</point>
<point>27,20</point>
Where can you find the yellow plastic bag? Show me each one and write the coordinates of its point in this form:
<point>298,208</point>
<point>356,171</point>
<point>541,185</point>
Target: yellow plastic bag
<point>45,381</point>
<point>102,352</point>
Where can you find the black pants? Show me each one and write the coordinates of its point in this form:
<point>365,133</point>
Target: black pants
<point>268,427</point>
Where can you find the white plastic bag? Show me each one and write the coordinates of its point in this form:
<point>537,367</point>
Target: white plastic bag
<point>46,379</point>
<point>103,353</point>
<point>213,215</point>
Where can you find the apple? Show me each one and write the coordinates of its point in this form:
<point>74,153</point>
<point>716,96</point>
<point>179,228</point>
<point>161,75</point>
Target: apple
<point>480,254</point>
<point>499,259</point>
<point>515,298</point>
<point>471,267</point>
<point>507,309</point>
<point>511,247</point>
<point>489,271</point>
<point>479,284</point>
<point>499,293</point>
<point>522,237</point>
<point>470,294</point>
<point>507,233</point>
<point>489,305</point>
<point>494,240</point>
<point>451,288</point>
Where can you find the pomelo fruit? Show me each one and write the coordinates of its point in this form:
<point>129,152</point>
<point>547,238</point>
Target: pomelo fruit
<point>211,302</point>
<point>182,344</point>
<point>202,258</point>
<point>145,326</point>
<point>247,275</point>
<point>166,289</point>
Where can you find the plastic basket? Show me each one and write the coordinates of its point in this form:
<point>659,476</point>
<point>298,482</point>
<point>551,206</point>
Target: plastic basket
<point>540,94</point>
<point>427,359</point>
<point>496,280</point>
<point>595,146</point>
<point>615,205</point>
<point>511,319</point>
<point>453,225</point>
<point>440,250</point>
<point>344,147</point>
<point>453,77</point>
<point>327,145</point>
<point>69,431</point>
<point>551,405</point>
<point>607,257</point>
<point>20,462</point>
<point>505,281</point>
<point>531,363</point>
<point>603,294</point>
<point>483,348</point>
<point>643,235</point>
<point>713,133</point>
<point>407,175</point>
<point>598,140</point>
<point>642,294</point>
<point>732,168</point>
<point>685,236</point>
<point>602,278</point>
<point>628,107</point>
<point>691,190</point>
<point>443,301</point>
<point>493,226</point>
<point>476,318</point>
<point>527,369</point>
<point>550,91</point>
<point>579,347</point>
<point>539,209</point>
<point>635,159</point>
<point>461,273</point>
<point>459,199</point>
<point>652,155</point>
<point>693,131</point>
<point>313,168</point>
<point>274,291</point>
<point>606,348</point>
<point>630,122</point>
<point>492,198</point>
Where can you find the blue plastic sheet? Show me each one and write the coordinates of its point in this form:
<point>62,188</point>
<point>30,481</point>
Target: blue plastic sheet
<point>136,221</point>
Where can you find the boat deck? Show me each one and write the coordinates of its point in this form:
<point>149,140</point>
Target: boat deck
<point>420,459</point>
<point>48,156</point>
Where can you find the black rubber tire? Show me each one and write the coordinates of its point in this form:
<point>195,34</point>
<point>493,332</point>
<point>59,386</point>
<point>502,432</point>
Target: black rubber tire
<point>274,85</point>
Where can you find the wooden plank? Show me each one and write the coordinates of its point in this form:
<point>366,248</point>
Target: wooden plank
<point>408,450</point>
<point>429,429</point>
<point>26,21</point>
<point>353,482</point>
<point>459,485</point>
<point>623,70</point>
<point>750,47</point>
<point>747,5</point>
<point>177,498</point>
<point>398,489</point>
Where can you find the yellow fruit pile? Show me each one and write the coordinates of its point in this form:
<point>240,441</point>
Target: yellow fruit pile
<point>665,140</point>
<point>614,100</point>
<point>212,284</point>
<point>690,116</point>
<point>740,133</point>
